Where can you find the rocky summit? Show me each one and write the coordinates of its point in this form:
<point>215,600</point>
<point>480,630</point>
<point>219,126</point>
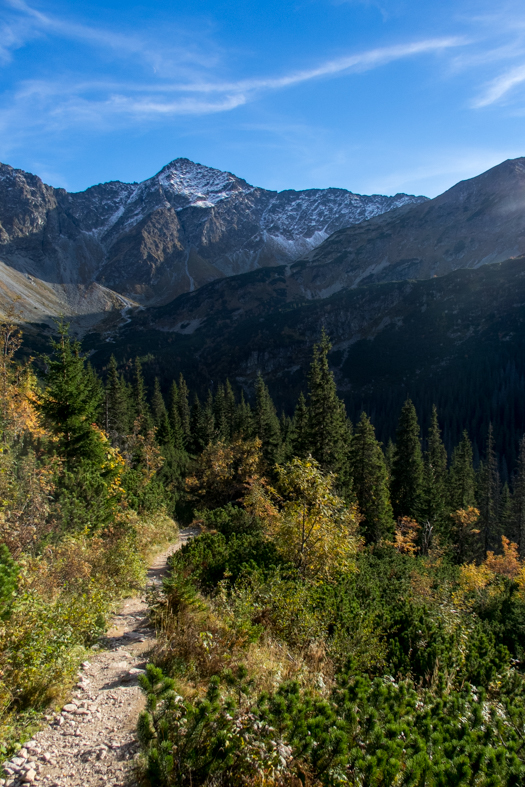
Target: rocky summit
<point>118,245</point>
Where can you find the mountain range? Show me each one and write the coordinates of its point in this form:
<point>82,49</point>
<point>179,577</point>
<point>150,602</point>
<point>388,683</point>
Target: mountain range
<point>119,245</point>
<point>197,271</point>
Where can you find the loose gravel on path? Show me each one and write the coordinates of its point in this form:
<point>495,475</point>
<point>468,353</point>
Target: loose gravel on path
<point>92,741</point>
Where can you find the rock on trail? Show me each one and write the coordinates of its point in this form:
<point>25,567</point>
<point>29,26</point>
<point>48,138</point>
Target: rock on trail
<point>92,741</point>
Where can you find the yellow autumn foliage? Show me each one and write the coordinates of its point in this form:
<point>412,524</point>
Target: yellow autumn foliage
<point>406,535</point>
<point>508,564</point>
<point>486,576</point>
<point>311,525</point>
<point>224,470</point>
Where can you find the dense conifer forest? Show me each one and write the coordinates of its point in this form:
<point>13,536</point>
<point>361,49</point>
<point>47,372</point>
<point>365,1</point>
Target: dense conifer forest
<point>351,612</point>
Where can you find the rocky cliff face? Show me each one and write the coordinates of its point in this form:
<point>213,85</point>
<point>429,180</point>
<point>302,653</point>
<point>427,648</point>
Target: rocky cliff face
<point>478,221</point>
<point>146,243</point>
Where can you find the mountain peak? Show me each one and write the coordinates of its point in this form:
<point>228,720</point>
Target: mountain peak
<point>203,186</point>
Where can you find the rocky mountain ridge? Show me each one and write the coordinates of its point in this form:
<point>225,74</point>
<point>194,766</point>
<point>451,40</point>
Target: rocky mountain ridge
<point>119,244</point>
<point>477,221</point>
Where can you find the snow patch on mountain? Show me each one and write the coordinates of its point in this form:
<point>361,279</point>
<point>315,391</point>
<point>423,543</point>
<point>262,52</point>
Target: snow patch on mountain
<point>186,226</point>
<point>203,186</point>
<point>297,222</point>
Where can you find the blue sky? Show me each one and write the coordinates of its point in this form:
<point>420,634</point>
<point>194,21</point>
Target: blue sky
<point>376,97</point>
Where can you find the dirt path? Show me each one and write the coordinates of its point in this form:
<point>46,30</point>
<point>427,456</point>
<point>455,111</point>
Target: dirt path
<point>92,742</point>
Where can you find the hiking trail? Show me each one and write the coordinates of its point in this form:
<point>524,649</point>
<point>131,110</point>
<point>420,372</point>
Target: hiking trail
<point>91,742</point>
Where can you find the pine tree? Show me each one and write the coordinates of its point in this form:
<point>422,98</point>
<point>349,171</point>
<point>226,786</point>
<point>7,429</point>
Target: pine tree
<point>140,400</point>
<point>158,406</point>
<point>267,425</point>
<point>434,504</point>
<point>301,427</point>
<point>243,424</point>
<point>71,402</point>
<point>461,478</point>
<point>328,432</point>
<point>184,409</point>
<point>370,482</point>
<point>118,420</point>
<point>489,497</point>
<point>407,472</point>
<point>390,451</point>
<point>518,500</point>
<point>177,434</point>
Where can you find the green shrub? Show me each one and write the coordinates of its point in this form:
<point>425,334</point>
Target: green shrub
<point>40,644</point>
<point>212,557</point>
<point>213,740</point>
<point>8,581</point>
<point>230,520</point>
<point>373,732</point>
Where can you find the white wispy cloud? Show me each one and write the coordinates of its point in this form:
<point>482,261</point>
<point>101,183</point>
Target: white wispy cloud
<point>96,36</point>
<point>27,23</point>
<point>500,87</point>
<point>499,50</point>
<point>362,61</point>
<point>104,100</point>
<point>185,78</point>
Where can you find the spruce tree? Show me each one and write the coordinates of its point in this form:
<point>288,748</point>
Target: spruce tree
<point>390,451</point>
<point>140,399</point>
<point>506,518</point>
<point>118,421</point>
<point>287,436</point>
<point>198,440</point>
<point>328,430</point>
<point>434,503</point>
<point>98,394</point>
<point>301,429</point>
<point>71,401</point>
<point>230,408</point>
<point>69,404</point>
<point>518,500</point>
<point>243,419</point>
<point>267,425</point>
<point>184,409</point>
<point>177,434</point>
<point>461,478</point>
<point>370,482</point>
<point>407,472</point>
<point>489,497</point>
<point>158,406</point>
<point>222,427</point>
<point>171,441</point>
<point>160,416</point>
<point>202,423</point>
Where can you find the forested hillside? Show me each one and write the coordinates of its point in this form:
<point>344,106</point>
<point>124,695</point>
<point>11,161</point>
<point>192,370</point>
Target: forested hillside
<point>352,612</point>
<point>457,341</point>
